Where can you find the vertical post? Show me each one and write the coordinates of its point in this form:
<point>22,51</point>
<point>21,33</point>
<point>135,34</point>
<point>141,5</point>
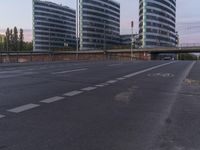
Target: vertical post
<point>49,38</point>
<point>104,34</point>
<point>1,53</point>
<point>17,55</point>
<point>132,25</point>
<point>1,49</point>
<point>49,43</point>
<point>77,30</point>
<point>31,56</point>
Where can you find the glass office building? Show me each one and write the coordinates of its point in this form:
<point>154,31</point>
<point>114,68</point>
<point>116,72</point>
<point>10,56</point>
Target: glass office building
<point>54,26</point>
<point>99,24</point>
<point>157,23</point>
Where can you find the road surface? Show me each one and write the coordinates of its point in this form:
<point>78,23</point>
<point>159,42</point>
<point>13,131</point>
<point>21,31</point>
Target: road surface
<point>100,105</point>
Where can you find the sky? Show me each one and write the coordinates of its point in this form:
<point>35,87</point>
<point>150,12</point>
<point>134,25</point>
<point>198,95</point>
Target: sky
<point>19,13</point>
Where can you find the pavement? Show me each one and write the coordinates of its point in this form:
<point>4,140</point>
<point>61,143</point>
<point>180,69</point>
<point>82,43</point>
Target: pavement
<point>100,105</point>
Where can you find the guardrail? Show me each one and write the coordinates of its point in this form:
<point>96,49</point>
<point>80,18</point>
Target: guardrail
<point>189,45</point>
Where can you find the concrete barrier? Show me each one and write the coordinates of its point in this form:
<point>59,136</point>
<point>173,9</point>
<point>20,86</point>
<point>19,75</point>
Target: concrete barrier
<point>13,57</point>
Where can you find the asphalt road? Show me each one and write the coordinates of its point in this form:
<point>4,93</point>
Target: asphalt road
<point>100,105</point>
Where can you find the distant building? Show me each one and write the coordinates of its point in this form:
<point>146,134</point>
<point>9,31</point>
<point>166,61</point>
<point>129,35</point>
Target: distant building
<point>127,38</point>
<point>99,24</point>
<point>54,26</point>
<point>157,19</point>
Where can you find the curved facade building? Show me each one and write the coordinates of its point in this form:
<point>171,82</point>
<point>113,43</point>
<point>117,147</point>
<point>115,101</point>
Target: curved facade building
<point>157,19</point>
<point>99,24</point>
<point>54,26</point>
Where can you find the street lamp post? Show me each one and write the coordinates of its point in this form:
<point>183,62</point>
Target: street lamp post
<point>132,25</point>
<point>104,36</point>
<point>49,38</point>
<point>77,26</point>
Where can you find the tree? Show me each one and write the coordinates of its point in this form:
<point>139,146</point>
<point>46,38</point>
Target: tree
<point>28,46</point>
<point>15,39</point>
<point>5,43</point>
<point>21,39</point>
<point>8,39</point>
<point>11,39</point>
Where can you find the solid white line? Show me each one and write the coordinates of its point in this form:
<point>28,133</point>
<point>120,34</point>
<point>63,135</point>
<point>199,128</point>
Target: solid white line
<point>52,99</point>
<point>23,108</point>
<point>69,71</point>
<point>88,88</point>
<point>73,93</point>
<point>146,70</point>
<point>2,116</point>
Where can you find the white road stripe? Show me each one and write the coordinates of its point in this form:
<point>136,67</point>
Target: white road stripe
<point>73,93</point>
<point>100,85</point>
<point>146,70</point>
<point>11,71</point>
<point>23,108</point>
<point>52,99</point>
<point>111,81</point>
<point>69,71</point>
<point>2,116</point>
<point>88,88</point>
<point>105,84</point>
<point>115,65</point>
<point>121,78</point>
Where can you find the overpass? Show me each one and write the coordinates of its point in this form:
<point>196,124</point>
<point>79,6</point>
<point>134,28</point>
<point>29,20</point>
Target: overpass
<point>183,48</point>
<point>153,53</point>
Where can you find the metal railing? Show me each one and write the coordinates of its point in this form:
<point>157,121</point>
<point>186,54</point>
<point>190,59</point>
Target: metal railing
<point>189,45</point>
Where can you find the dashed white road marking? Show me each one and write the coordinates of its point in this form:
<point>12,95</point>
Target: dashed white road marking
<point>69,71</point>
<point>121,78</point>
<point>30,69</point>
<point>52,99</point>
<point>100,85</point>
<point>111,81</point>
<point>73,93</point>
<point>105,84</point>
<point>115,65</point>
<point>2,116</point>
<point>146,70</point>
<point>11,71</point>
<point>88,88</point>
<point>23,108</point>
